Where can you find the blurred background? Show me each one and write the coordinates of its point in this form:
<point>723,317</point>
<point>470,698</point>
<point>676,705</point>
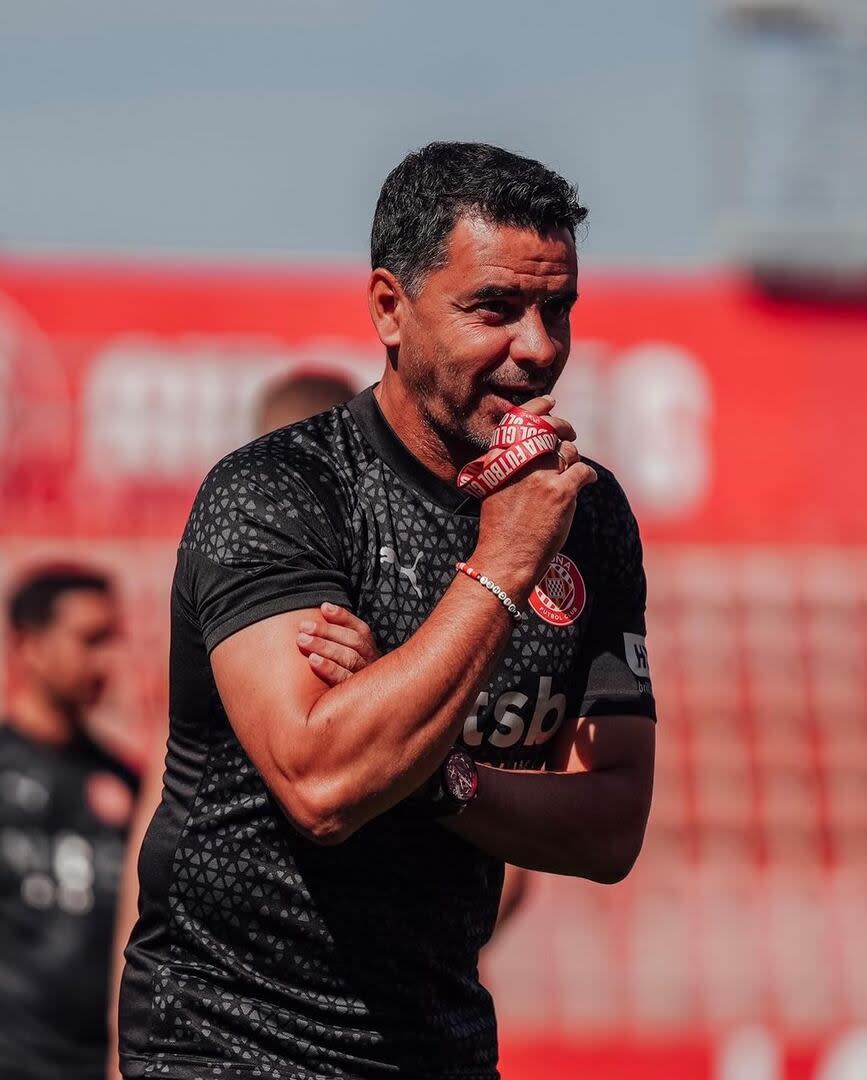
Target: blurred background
<point>185,197</point>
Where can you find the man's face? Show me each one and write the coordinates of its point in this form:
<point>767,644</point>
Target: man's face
<point>490,329</point>
<point>72,658</point>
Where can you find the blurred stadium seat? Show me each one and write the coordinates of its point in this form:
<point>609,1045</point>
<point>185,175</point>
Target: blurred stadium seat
<point>744,904</point>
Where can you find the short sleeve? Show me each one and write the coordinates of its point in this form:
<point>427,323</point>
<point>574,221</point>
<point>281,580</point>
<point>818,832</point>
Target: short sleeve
<point>616,661</point>
<point>258,543</point>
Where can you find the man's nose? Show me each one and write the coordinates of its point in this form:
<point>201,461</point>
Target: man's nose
<point>532,344</point>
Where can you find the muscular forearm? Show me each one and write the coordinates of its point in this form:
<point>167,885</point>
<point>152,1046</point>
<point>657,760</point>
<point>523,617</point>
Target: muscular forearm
<point>585,824</point>
<point>378,736</point>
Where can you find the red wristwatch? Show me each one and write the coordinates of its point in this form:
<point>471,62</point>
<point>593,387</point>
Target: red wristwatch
<point>449,791</point>
<point>458,783</point>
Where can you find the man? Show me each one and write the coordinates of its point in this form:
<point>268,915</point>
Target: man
<point>64,806</point>
<point>315,886</point>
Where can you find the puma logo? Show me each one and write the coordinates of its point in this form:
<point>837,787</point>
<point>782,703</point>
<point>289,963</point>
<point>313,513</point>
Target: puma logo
<point>388,557</point>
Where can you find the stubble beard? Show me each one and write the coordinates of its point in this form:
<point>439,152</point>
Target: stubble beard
<point>450,426</point>
<point>453,429</point>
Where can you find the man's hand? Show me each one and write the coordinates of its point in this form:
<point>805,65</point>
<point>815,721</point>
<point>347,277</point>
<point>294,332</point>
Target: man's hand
<point>525,523</point>
<point>336,645</point>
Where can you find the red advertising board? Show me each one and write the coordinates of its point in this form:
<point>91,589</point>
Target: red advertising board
<point>727,416</point>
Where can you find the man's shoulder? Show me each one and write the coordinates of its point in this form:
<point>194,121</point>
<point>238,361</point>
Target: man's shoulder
<point>308,451</point>
<point>29,767</point>
<point>316,455</point>
<point>302,472</point>
<point>13,743</point>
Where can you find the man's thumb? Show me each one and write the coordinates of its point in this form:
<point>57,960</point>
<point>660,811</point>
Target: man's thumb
<point>539,406</point>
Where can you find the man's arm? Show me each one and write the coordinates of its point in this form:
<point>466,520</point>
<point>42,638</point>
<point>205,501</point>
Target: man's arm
<point>337,757</point>
<point>586,819</point>
<point>585,816</point>
<point>344,646</point>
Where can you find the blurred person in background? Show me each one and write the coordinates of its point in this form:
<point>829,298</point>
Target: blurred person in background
<point>299,395</point>
<point>327,859</point>
<point>65,804</point>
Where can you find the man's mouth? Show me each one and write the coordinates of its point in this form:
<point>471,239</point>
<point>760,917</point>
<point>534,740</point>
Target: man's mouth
<point>517,395</point>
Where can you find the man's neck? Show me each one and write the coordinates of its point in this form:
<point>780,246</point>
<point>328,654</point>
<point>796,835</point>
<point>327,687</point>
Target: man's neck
<point>404,417</point>
<point>32,713</point>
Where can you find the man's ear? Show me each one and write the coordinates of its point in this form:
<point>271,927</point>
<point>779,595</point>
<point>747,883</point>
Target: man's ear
<point>386,301</point>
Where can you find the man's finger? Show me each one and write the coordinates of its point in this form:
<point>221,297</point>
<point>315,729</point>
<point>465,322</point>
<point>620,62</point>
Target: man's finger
<point>342,616</point>
<point>579,476</point>
<point>364,642</point>
<point>346,658</point>
<point>564,429</point>
<point>329,672</point>
<point>541,406</point>
<point>568,455</point>
<point>361,641</point>
<point>331,632</point>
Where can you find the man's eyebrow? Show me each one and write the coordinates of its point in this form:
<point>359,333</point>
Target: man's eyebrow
<point>509,292</point>
<point>568,296</point>
<point>496,292</point>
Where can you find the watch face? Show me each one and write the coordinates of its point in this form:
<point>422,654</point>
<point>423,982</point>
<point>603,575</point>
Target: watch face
<point>460,776</point>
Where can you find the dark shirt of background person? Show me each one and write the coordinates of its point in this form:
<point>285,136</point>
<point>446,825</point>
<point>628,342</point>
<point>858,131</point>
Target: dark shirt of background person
<point>65,804</point>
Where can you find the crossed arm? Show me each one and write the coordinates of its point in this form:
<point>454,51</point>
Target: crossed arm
<point>337,751</point>
<point>337,756</point>
<point>583,816</point>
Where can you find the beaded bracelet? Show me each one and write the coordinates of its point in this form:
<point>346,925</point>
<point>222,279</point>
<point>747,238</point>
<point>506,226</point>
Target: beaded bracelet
<point>494,588</point>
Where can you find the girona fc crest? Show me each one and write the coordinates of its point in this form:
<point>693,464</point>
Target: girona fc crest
<point>560,596</point>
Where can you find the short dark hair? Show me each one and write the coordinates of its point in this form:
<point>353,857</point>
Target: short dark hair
<point>423,197</point>
<point>32,603</point>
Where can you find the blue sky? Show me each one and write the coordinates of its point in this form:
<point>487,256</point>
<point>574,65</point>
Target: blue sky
<point>266,127</point>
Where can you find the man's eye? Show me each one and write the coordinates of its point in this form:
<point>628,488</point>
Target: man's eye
<point>496,307</point>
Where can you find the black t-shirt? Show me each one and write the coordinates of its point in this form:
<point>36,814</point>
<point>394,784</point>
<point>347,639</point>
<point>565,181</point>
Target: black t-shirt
<point>60,860</point>
<point>257,952</point>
